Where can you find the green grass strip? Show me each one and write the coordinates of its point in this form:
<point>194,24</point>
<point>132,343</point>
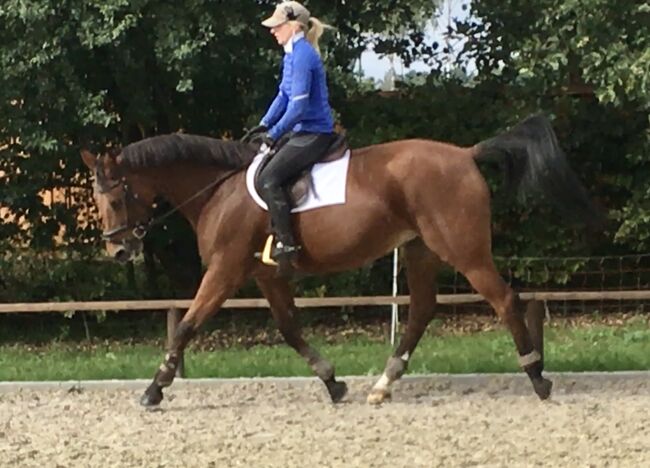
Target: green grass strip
<point>596,348</point>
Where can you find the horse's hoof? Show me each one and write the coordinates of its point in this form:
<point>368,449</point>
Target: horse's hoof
<point>543,388</point>
<point>337,390</point>
<point>152,396</point>
<point>377,397</point>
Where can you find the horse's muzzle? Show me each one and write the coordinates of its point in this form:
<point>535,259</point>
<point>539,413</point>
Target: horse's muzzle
<point>121,255</point>
<point>126,250</point>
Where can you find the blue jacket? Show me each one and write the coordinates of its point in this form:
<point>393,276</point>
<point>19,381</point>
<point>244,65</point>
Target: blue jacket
<point>302,103</point>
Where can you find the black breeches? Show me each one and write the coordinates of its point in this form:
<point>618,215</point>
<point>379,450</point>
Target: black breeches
<point>301,152</point>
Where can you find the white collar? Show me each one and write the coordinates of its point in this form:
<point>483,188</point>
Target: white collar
<point>288,47</point>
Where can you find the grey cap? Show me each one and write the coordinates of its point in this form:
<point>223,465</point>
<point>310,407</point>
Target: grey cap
<point>287,11</point>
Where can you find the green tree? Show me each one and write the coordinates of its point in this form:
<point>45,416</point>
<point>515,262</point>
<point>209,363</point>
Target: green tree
<point>588,63</point>
<point>104,73</point>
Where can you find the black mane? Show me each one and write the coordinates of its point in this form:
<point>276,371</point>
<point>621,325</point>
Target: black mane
<point>179,147</point>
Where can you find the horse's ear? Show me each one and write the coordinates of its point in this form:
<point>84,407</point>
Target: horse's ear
<point>112,164</point>
<point>89,159</point>
<point>115,155</point>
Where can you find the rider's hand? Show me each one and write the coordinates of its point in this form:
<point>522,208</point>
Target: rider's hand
<point>250,134</point>
<point>263,138</point>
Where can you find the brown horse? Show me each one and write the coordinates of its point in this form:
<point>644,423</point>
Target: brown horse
<point>426,196</point>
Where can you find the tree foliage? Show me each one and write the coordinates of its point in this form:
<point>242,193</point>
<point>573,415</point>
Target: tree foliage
<point>99,73</point>
<point>587,62</point>
<point>105,73</point>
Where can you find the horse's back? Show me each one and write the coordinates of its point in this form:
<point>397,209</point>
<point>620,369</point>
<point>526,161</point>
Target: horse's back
<point>416,155</point>
<point>446,153</point>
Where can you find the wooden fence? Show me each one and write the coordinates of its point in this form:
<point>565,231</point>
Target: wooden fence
<point>174,307</point>
<point>164,304</point>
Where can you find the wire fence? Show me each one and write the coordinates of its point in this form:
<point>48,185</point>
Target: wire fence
<point>604,273</point>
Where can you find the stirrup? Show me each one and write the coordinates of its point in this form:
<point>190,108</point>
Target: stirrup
<point>268,253</point>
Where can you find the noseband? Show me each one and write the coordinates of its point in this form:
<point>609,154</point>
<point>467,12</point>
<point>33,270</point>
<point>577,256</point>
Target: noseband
<point>138,229</point>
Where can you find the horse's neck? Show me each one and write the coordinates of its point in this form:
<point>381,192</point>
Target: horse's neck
<point>187,188</point>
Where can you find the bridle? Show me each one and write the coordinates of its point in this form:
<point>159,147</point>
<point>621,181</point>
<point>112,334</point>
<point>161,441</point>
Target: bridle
<point>139,229</point>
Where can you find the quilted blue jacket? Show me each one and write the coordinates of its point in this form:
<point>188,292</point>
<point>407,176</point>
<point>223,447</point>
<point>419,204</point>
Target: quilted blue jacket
<point>302,103</point>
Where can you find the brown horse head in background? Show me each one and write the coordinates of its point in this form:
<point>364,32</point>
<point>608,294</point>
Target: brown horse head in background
<point>428,197</point>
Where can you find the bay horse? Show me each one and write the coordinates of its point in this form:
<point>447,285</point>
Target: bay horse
<point>428,197</point>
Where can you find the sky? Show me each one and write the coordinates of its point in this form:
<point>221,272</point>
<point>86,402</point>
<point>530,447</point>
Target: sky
<point>375,66</point>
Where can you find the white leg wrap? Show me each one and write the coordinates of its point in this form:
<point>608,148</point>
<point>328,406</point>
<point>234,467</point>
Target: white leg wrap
<point>530,358</point>
<point>383,383</point>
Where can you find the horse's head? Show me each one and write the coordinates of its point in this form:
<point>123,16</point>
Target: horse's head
<point>124,203</point>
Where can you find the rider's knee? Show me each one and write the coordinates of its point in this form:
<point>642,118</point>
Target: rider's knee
<point>268,185</point>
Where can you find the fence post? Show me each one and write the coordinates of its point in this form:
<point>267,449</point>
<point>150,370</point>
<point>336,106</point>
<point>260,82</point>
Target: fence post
<point>173,319</point>
<point>394,316</point>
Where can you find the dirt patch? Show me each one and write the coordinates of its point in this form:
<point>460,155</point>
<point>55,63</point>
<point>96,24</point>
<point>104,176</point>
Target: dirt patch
<point>265,424</point>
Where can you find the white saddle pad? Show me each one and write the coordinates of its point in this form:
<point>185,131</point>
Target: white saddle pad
<point>328,188</point>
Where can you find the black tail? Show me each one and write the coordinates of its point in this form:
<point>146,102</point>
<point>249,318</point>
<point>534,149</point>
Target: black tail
<point>535,164</point>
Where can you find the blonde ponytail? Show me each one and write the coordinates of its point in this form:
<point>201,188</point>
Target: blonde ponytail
<point>315,31</point>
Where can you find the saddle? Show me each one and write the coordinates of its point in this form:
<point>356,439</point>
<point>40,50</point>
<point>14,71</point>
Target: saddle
<point>298,188</point>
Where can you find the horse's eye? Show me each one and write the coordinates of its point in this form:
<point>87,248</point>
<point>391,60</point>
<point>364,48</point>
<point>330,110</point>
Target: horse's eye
<point>116,204</point>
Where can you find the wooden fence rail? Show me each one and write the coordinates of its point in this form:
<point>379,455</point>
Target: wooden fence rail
<point>164,304</point>
<point>174,307</point>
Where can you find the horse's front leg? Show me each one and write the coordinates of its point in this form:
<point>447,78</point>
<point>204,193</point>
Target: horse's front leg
<point>224,276</point>
<point>280,296</point>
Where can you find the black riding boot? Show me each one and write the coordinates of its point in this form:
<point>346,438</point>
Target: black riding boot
<point>284,248</point>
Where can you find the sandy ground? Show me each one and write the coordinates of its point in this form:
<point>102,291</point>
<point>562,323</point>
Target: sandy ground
<point>430,422</point>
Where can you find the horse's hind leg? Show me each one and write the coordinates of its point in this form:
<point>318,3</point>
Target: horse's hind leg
<point>280,297</point>
<point>484,277</point>
<point>462,237</point>
<point>421,269</point>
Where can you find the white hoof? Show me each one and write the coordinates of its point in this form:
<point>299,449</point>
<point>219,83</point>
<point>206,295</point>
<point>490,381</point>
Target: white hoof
<point>376,396</point>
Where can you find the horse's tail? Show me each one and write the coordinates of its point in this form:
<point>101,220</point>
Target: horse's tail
<point>534,163</point>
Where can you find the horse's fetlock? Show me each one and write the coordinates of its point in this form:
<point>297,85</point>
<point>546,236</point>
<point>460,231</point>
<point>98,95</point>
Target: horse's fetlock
<point>321,367</point>
<point>534,370</point>
<point>395,367</point>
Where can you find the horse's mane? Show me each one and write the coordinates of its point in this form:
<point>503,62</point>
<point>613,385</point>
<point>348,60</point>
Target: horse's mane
<point>179,147</point>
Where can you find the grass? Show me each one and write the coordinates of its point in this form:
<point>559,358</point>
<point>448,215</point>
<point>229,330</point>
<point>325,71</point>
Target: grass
<point>592,348</point>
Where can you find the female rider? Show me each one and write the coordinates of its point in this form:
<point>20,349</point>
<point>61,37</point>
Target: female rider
<point>301,111</point>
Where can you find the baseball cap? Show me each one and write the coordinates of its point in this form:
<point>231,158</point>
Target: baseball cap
<point>287,11</point>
